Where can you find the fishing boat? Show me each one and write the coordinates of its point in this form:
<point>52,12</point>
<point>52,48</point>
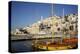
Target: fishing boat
<point>50,46</point>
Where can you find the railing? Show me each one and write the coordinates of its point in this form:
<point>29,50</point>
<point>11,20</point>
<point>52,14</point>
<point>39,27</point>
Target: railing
<point>35,36</point>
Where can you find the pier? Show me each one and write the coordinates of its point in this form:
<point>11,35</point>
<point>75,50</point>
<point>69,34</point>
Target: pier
<point>34,36</point>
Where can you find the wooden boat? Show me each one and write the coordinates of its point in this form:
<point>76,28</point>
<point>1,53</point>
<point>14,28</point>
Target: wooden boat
<point>66,44</point>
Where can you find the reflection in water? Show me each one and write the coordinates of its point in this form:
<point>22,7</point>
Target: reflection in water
<point>21,46</point>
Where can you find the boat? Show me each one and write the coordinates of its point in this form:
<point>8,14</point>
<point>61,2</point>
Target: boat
<point>69,42</point>
<point>50,46</point>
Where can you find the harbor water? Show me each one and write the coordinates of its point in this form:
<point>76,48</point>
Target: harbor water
<point>24,45</point>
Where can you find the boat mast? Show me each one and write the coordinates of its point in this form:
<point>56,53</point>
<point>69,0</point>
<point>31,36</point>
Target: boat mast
<point>52,9</point>
<point>42,22</point>
<point>52,17</point>
<point>63,12</point>
<point>63,18</point>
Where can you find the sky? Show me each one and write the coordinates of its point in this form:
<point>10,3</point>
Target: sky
<point>26,13</point>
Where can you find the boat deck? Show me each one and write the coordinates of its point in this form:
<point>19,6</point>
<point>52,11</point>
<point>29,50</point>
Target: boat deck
<point>66,44</point>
